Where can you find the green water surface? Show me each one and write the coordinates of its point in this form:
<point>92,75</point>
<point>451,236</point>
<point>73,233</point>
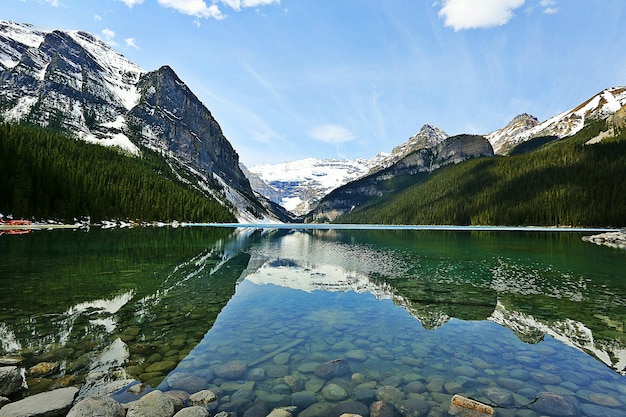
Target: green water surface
<point>500,316</point>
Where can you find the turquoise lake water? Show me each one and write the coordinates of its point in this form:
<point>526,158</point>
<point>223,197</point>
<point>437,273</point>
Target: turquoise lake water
<point>325,320</point>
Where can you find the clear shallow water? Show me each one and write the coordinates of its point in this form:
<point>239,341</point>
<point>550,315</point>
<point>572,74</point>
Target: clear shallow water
<point>415,316</point>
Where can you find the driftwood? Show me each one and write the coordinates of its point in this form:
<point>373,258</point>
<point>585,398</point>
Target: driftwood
<point>276,352</point>
<point>460,403</point>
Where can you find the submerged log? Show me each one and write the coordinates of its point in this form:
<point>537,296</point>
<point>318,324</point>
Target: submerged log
<point>276,352</point>
<point>466,407</point>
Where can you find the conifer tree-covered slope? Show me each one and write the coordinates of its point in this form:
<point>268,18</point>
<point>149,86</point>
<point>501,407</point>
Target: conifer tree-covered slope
<point>563,183</point>
<point>48,175</point>
<point>73,82</point>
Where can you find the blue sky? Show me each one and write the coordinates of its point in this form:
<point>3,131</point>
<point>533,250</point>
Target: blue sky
<point>290,79</point>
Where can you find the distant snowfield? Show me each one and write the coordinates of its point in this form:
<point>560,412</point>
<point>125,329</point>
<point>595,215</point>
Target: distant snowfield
<point>299,180</point>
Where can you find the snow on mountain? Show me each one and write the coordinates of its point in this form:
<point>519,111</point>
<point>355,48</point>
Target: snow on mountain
<point>524,127</point>
<point>569,332</point>
<point>74,82</point>
<point>297,185</point>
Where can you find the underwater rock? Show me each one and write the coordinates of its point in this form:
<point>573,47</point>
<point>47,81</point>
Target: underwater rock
<point>153,404</point>
<point>303,399</point>
<point>556,405</point>
<point>203,397</point>
<point>231,370</point>
<point>334,392</point>
<point>389,394</point>
<point>186,382</point>
<point>412,408</point>
<point>380,409</point>
<point>195,411</point>
<point>334,368</point>
<point>349,408</point>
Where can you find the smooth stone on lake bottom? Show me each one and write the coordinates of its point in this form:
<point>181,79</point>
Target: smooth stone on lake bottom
<point>194,411</point>
<point>231,370</point>
<point>389,394</point>
<point>352,408</point>
<point>153,404</point>
<point>317,410</point>
<point>203,397</point>
<point>97,406</point>
<point>604,399</point>
<point>303,399</point>
<point>51,403</point>
<point>412,408</point>
<point>334,392</point>
<point>380,409</point>
<point>556,405</point>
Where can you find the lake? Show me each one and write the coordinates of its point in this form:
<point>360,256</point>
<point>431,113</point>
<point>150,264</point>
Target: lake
<point>530,322</point>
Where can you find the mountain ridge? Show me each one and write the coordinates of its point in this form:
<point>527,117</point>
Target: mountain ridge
<point>73,82</point>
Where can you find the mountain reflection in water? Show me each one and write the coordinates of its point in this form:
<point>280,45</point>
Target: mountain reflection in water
<point>470,312</point>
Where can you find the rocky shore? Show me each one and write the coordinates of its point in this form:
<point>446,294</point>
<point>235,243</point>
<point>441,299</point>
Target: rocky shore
<point>611,239</point>
<point>328,389</point>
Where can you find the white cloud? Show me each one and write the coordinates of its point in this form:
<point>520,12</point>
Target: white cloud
<point>472,14</point>
<point>131,3</point>
<point>97,18</point>
<point>53,3</point>
<point>239,4</point>
<point>331,134</point>
<point>131,42</point>
<point>108,34</point>
<point>197,8</point>
<point>549,6</point>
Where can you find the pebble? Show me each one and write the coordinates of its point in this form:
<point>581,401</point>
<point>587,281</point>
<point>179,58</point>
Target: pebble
<point>334,392</point>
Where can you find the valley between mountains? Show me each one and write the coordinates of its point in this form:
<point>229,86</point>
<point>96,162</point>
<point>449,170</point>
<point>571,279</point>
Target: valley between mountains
<point>88,134</point>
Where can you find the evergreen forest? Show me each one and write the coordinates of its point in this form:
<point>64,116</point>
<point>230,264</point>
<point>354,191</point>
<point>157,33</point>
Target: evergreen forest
<point>561,183</point>
<point>50,175</point>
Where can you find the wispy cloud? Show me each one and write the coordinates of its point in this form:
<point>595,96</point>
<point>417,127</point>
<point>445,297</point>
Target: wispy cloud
<point>330,133</point>
<point>131,43</point>
<point>97,18</point>
<point>474,14</point>
<point>109,37</point>
<point>53,3</point>
<point>201,9</point>
<point>239,4</point>
<point>549,6</point>
<point>131,3</point>
<point>197,8</point>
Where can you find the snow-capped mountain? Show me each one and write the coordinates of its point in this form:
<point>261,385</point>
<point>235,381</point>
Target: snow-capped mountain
<point>298,185</point>
<point>72,81</point>
<point>428,137</point>
<point>525,127</point>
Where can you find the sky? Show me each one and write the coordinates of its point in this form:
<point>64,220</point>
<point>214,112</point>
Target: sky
<point>292,79</point>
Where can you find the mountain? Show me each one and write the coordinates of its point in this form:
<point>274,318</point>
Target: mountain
<point>428,137</point>
<point>573,181</point>
<point>431,150</point>
<point>298,185</point>
<point>525,127</point>
<point>72,82</point>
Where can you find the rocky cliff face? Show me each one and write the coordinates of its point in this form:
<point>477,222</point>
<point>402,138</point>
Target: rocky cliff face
<point>524,127</point>
<point>170,118</point>
<point>72,81</point>
<point>423,159</point>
